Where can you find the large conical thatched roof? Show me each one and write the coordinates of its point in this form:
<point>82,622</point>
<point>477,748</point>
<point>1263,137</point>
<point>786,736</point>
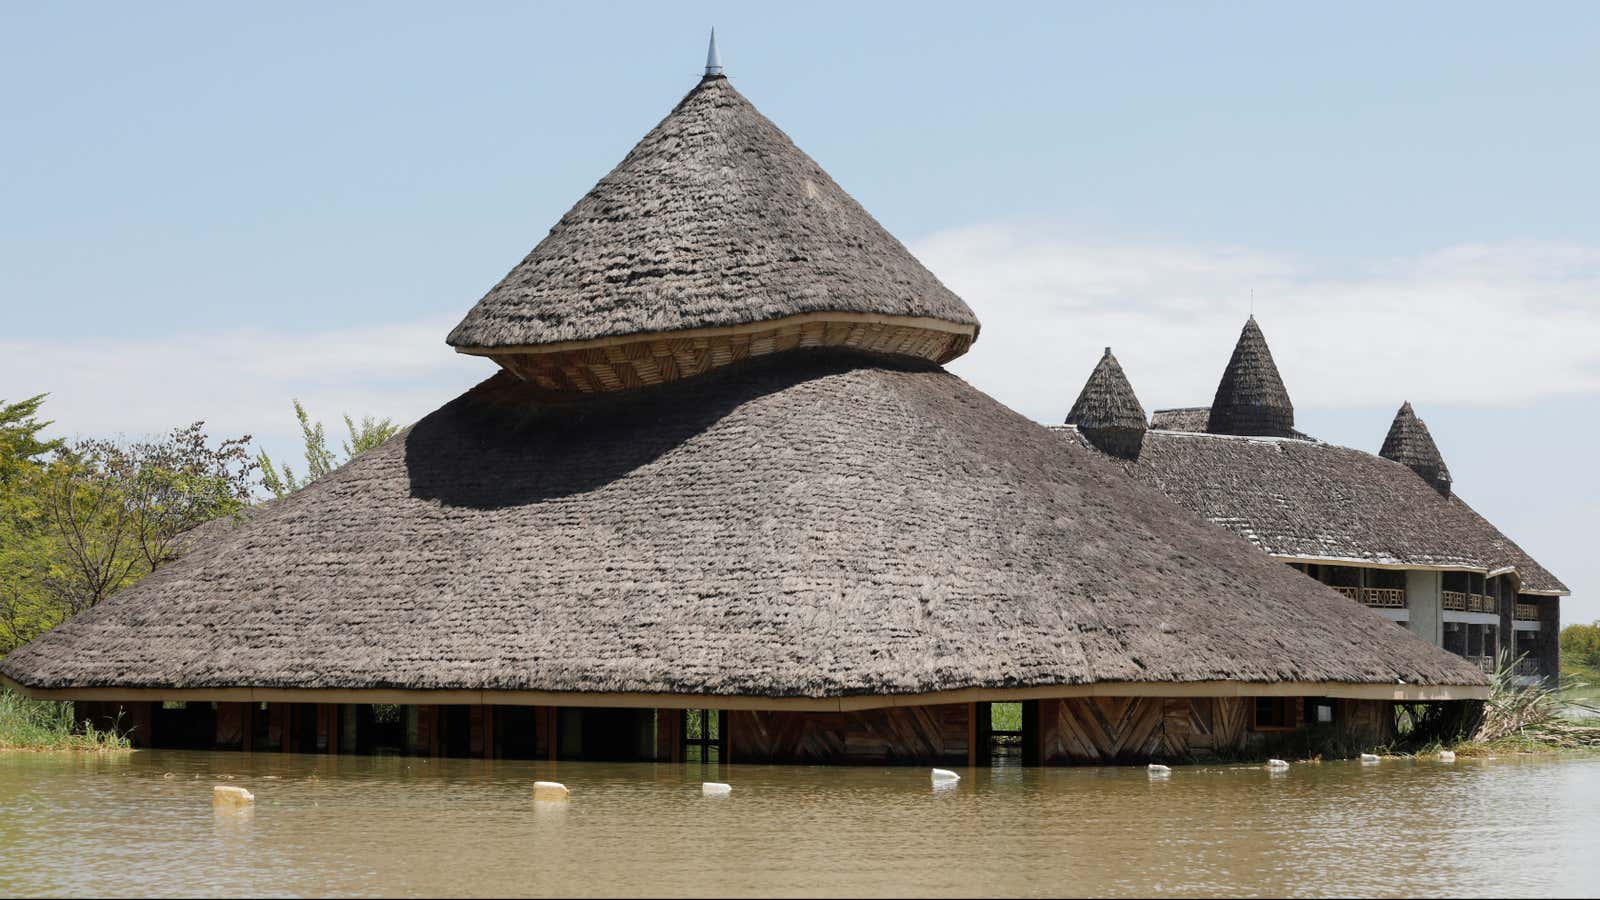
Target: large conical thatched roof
<point>715,221</point>
<point>805,526</point>
<point>1251,399</point>
<point>1409,444</point>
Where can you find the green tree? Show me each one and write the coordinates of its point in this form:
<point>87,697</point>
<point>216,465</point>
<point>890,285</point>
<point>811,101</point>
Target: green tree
<point>1580,644</point>
<point>319,459</point>
<point>94,516</point>
<point>23,456</point>
<point>21,447</point>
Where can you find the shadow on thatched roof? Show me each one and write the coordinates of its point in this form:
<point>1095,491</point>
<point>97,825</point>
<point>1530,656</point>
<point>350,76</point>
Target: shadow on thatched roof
<point>808,525</point>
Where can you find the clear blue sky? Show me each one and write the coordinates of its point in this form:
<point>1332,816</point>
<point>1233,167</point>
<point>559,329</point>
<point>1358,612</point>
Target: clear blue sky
<point>179,175</point>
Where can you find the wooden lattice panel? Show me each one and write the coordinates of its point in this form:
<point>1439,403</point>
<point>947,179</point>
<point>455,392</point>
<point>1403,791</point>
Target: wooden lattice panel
<point>654,359</point>
<point>1101,730</point>
<point>903,734</point>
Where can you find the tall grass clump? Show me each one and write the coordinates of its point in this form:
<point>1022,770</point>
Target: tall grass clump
<point>46,725</point>
<point>1533,715</point>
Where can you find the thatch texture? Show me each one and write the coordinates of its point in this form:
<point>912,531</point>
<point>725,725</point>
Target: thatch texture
<point>1316,501</point>
<point>1107,411</point>
<point>1409,444</point>
<point>714,219</point>
<point>808,525</point>
<point>1188,418</point>
<point>1251,398</point>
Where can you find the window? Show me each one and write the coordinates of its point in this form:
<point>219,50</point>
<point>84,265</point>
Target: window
<point>704,735</point>
<point>1273,714</point>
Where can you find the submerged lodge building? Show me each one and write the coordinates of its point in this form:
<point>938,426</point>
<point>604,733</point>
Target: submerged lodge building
<point>722,501</point>
<point>1385,530</point>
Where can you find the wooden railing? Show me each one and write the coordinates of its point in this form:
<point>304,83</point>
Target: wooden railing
<point>1529,666</point>
<point>1483,604</point>
<point>1455,600</point>
<point>1485,663</point>
<point>1527,612</point>
<point>1388,598</point>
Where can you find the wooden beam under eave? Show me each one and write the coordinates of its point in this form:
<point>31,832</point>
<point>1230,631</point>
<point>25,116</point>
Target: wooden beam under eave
<point>1397,692</point>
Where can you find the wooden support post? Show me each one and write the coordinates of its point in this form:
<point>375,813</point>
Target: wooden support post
<point>972,735</point>
<point>551,721</point>
<point>325,737</point>
<point>139,723</point>
<point>349,728</point>
<point>278,724</point>
<point>428,723</point>
<point>228,734</point>
<point>476,731</point>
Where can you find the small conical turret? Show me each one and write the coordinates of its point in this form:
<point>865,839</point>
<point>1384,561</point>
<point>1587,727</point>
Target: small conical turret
<point>1108,412</point>
<point>1251,399</point>
<point>1410,444</point>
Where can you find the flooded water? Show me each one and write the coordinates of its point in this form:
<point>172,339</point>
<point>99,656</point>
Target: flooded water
<point>143,824</point>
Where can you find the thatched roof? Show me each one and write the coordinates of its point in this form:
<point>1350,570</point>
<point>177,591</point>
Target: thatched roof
<point>1409,444</point>
<point>1251,398</point>
<point>1188,418</point>
<point>1107,411</point>
<point>714,219</point>
<point>1299,499</point>
<point>807,525</point>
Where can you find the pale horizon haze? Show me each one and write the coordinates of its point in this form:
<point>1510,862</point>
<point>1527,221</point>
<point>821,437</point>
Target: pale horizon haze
<point>211,210</point>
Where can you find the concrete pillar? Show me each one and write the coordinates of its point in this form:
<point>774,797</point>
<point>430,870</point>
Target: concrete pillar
<point>1425,605</point>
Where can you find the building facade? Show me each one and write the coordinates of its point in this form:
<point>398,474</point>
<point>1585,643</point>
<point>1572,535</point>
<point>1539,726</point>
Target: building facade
<point>1386,530</point>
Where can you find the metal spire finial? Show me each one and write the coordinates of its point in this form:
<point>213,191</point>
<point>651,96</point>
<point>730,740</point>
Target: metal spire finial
<point>713,61</point>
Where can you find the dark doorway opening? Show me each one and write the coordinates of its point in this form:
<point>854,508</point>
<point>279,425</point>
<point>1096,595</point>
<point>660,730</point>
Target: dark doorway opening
<point>606,735</point>
<point>455,731</point>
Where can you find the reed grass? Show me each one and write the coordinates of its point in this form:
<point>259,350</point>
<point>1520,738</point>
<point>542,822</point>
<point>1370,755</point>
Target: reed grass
<point>46,725</point>
<point>1537,714</point>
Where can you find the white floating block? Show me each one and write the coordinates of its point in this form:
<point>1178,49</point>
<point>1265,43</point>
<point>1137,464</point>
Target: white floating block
<point>1156,770</point>
<point>1447,756</point>
<point>550,790</point>
<point>1277,764</point>
<point>228,795</point>
<point>941,776</point>
<point>715,789</point>
<point>1369,757</point>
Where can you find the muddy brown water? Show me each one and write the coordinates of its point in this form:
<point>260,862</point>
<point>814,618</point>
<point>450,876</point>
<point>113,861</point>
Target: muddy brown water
<point>143,824</point>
